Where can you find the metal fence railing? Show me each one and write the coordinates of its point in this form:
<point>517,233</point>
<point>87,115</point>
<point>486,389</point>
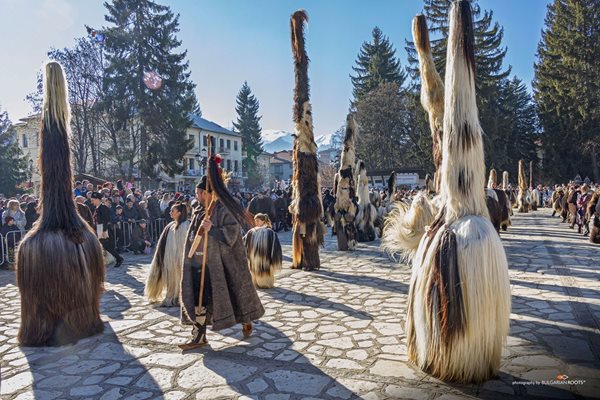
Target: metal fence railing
<point>2,250</point>
<point>9,242</point>
<point>121,235</point>
<point>122,231</point>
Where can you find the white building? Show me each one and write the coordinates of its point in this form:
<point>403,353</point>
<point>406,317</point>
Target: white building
<point>225,142</point>
<point>26,132</point>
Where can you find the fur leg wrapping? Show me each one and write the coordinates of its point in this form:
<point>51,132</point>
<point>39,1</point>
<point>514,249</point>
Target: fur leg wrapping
<point>405,225</point>
<point>459,302</point>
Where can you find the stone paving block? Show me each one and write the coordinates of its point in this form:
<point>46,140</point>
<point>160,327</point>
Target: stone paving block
<point>85,391</point>
<point>337,333</point>
<point>298,382</point>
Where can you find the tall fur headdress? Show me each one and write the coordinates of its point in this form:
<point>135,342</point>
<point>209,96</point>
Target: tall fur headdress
<point>215,179</point>
<point>392,184</point>
<point>57,207</point>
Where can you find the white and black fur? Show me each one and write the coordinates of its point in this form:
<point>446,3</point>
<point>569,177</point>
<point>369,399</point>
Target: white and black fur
<point>459,299</point>
<point>264,255</point>
<point>365,219</point>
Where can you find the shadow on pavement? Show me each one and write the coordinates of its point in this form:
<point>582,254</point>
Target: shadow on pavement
<point>81,370</point>
<point>364,280</point>
<point>288,296</point>
<point>287,372</point>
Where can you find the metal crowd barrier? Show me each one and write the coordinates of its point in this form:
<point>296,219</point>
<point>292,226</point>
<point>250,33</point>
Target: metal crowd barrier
<point>122,235</point>
<point>1,249</point>
<point>9,246</point>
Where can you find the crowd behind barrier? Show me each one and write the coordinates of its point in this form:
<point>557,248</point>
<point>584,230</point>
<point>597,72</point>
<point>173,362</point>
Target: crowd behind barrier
<point>128,207</point>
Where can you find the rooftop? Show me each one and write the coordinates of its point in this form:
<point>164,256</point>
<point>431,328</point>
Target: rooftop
<point>206,125</point>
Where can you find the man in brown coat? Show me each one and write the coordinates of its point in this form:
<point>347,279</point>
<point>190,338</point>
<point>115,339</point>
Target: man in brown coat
<point>229,297</point>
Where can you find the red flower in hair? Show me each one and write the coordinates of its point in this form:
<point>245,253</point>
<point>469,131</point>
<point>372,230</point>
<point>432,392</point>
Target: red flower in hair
<point>218,159</point>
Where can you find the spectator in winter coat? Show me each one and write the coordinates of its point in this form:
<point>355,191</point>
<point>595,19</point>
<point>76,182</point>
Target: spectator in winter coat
<point>14,210</point>
<point>164,203</point>
<point>153,206</point>
<point>143,210</point>
<point>140,238</point>
<point>84,211</point>
<point>12,234</point>
<point>130,213</point>
<point>78,191</point>
<point>31,214</point>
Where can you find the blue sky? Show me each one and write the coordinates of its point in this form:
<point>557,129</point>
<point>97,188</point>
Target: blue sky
<point>230,41</point>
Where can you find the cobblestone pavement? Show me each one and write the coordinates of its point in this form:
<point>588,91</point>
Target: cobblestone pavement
<point>337,333</point>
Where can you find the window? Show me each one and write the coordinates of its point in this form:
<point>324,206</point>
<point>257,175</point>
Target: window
<point>192,163</point>
<point>192,139</point>
<point>204,140</point>
<point>228,144</point>
<point>235,164</point>
<point>221,143</point>
<point>228,165</point>
<point>25,144</point>
<point>235,145</point>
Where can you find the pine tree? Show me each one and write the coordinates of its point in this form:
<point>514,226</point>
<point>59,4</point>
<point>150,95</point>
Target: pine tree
<point>384,124</point>
<point>146,124</point>
<point>520,128</point>
<point>13,163</point>
<point>567,89</point>
<point>376,63</point>
<point>248,125</point>
<point>488,40</point>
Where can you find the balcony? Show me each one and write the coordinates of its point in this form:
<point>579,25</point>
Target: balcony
<point>224,151</point>
<point>191,173</point>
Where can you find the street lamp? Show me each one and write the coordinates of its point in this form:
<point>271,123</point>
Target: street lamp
<point>30,173</point>
<point>201,159</point>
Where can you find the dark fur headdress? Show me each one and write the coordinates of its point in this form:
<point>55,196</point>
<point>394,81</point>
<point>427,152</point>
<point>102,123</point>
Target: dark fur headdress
<point>215,180</point>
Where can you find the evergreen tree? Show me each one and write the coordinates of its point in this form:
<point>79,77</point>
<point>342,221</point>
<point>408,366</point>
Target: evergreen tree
<point>248,125</point>
<point>384,123</point>
<point>488,40</point>
<point>13,163</point>
<point>567,89</point>
<point>519,127</point>
<point>376,63</point>
<point>148,123</point>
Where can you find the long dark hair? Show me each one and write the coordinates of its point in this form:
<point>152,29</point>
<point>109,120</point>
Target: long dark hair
<point>182,208</point>
<point>215,178</point>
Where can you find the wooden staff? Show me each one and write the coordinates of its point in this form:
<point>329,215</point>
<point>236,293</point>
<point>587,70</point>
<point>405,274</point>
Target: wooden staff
<point>203,233</point>
<point>200,233</point>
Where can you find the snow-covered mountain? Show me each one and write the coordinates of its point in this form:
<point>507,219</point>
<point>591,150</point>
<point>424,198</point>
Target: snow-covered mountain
<point>278,140</point>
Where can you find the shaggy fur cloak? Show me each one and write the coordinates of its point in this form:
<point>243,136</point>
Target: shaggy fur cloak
<point>345,208</point>
<point>500,209</point>
<point>405,225</point>
<point>367,213</point>
<point>165,270</point>
<point>459,299</point>
<point>306,206</point>
<point>264,255</point>
<point>60,269</point>
<point>523,198</point>
<point>234,297</point>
